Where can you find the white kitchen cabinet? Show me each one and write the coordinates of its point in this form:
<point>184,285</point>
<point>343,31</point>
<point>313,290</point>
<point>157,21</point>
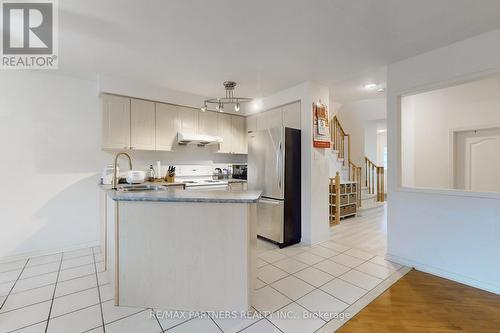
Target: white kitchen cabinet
<point>115,122</point>
<point>233,131</point>
<point>252,123</point>
<point>130,123</point>
<point>167,126</point>
<point>270,119</point>
<point>239,135</point>
<point>188,120</point>
<point>207,123</point>
<point>142,125</point>
<point>291,115</point>
<point>224,126</point>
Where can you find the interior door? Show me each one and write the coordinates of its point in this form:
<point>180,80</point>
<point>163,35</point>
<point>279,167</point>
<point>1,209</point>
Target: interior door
<point>477,160</point>
<point>270,219</point>
<point>266,162</point>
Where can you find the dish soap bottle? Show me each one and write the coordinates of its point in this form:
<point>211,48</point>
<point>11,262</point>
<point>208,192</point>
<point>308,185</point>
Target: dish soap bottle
<point>151,175</point>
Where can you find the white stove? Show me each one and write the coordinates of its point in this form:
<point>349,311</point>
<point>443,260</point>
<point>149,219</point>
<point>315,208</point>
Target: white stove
<point>200,177</point>
<point>206,184</point>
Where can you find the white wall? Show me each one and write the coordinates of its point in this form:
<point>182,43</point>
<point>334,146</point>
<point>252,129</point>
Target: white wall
<point>315,162</point>
<point>429,118</point>
<point>50,134</point>
<point>354,117</point>
<point>447,233</point>
<point>126,87</point>
<point>374,139</point>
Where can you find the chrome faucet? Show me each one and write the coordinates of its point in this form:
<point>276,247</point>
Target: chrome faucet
<point>115,176</point>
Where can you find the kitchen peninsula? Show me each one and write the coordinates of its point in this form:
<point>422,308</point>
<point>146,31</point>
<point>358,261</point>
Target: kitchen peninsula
<point>181,250</point>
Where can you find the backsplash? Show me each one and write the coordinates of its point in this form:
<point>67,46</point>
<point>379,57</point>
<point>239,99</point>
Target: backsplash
<point>203,160</point>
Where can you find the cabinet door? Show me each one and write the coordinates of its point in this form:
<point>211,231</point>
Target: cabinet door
<point>252,123</point>
<point>270,119</point>
<point>116,122</point>
<point>239,134</point>
<point>207,123</point>
<point>188,120</point>
<point>224,125</point>
<point>167,126</point>
<point>142,125</point>
<point>291,115</point>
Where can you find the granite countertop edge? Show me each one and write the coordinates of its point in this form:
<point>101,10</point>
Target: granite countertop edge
<point>216,196</point>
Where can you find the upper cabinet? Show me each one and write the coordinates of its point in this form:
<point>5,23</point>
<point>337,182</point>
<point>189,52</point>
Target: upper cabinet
<point>130,123</point>
<point>167,126</point>
<point>270,119</point>
<point>142,125</point>
<point>115,122</point>
<point>188,120</point>
<point>208,123</point>
<point>232,130</point>
<point>239,135</point>
<point>287,116</point>
<point>291,115</point>
<point>225,132</point>
<point>252,123</point>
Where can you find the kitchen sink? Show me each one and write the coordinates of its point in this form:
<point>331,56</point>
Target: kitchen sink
<point>141,188</point>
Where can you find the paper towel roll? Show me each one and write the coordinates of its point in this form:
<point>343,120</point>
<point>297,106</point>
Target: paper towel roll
<point>158,170</point>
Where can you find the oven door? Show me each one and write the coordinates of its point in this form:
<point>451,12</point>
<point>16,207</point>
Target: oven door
<point>270,219</point>
<point>221,187</point>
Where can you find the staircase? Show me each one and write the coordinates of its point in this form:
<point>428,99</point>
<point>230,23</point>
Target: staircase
<point>369,203</point>
<point>371,196</point>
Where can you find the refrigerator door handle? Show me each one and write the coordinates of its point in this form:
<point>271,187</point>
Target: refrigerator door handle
<point>278,166</point>
<point>280,156</point>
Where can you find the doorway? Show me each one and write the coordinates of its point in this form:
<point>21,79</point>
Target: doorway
<point>477,160</point>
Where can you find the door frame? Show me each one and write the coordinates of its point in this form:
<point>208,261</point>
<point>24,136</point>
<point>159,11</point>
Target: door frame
<point>452,136</point>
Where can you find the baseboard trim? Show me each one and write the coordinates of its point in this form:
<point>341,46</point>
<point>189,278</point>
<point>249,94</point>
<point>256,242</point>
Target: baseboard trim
<point>445,274</point>
<point>27,255</point>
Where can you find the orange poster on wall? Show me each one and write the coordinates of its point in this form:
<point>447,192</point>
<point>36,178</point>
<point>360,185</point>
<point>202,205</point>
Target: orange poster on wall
<point>321,126</point>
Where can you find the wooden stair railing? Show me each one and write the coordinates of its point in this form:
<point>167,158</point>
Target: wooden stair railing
<point>355,175</point>
<point>339,137</point>
<point>375,179</point>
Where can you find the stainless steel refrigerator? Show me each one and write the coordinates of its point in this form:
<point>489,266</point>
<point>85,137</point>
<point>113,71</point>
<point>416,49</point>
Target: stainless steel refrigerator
<point>274,168</point>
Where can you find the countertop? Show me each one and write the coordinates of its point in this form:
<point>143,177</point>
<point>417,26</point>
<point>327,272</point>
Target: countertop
<point>178,195</point>
<point>162,183</point>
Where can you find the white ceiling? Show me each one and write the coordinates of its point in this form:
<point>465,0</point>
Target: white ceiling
<point>267,46</point>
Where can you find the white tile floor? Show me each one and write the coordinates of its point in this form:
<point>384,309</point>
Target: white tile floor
<point>299,289</point>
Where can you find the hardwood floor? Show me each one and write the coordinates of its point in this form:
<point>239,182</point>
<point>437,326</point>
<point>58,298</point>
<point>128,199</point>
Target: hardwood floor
<point>421,302</point>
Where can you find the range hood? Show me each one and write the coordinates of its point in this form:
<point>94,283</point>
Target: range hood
<point>197,139</point>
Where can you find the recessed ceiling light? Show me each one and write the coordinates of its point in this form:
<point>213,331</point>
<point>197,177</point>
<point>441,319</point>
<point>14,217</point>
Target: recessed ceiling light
<point>370,86</point>
<point>380,89</point>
